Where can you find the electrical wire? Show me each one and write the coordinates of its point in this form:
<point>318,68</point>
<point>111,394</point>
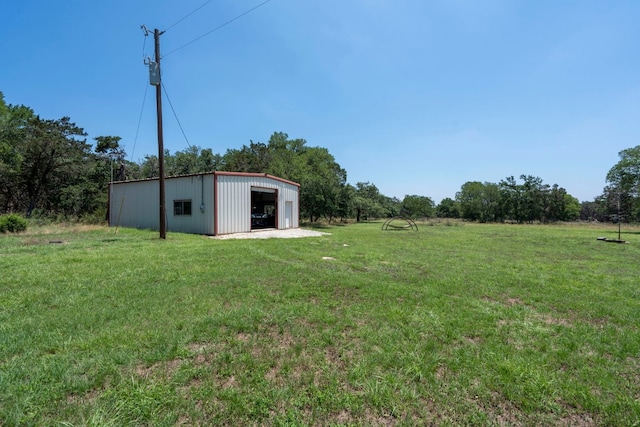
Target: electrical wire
<point>144,44</point>
<point>174,114</point>
<point>189,14</point>
<point>145,30</point>
<point>135,140</point>
<point>217,28</point>
<point>124,193</point>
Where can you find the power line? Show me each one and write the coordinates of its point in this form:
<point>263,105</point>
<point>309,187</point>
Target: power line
<point>146,32</point>
<point>174,113</point>
<point>146,89</point>
<point>189,14</point>
<point>144,44</point>
<point>217,28</point>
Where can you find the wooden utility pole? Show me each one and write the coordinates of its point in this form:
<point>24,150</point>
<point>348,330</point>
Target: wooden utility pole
<point>163,217</point>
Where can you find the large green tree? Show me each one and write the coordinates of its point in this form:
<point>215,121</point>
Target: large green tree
<point>46,166</point>
<point>480,201</point>
<point>625,175</point>
<point>346,202</point>
<point>414,206</point>
<point>368,202</point>
<point>321,182</point>
<point>533,200</point>
<point>14,121</point>
<point>448,208</point>
<point>561,206</point>
<point>321,178</point>
<point>55,167</point>
<point>111,160</point>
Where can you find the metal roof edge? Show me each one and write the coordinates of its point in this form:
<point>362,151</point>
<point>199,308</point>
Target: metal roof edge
<point>225,173</point>
<point>257,175</point>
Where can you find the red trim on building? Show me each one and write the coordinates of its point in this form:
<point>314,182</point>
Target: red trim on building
<point>218,173</point>
<point>256,175</point>
<point>277,224</point>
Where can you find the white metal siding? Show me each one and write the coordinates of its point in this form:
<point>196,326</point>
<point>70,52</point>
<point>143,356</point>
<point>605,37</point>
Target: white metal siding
<point>199,190</point>
<point>137,204</point>
<point>288,193</point>
<point>234,204</point>
<point>234,201</point>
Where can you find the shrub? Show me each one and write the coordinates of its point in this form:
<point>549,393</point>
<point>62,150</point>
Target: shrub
<point>99,216</point>
<point>12,223</point>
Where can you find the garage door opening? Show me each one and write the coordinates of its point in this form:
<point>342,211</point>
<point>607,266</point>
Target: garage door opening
<point>263,208</point>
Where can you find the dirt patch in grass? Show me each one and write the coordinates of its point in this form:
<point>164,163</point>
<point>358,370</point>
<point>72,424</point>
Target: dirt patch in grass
<point>572,417</point>
<point>503,300</point>
<point>89,397</point>
<point>600,322</point>
<point>229,382</point>
<point>499,410</point>
<point>185,420</point>
<point>343,418</point>
<point>473,340</point>
<point>510,302</point>
<point>372,418</point>
<point>204,348</point>
<point>545,318</point>
<point>632,374</point>
<point>442,373</point>
<point>164,369</point>
<point>242,337</point>
<point>577,420</point>
<point>550,320</point>
<point>194,383</point>
<point>272,375</point>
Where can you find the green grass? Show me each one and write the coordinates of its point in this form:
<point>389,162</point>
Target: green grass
<point>468,324</point>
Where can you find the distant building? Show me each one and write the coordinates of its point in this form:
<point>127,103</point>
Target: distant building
<point>210,203</point>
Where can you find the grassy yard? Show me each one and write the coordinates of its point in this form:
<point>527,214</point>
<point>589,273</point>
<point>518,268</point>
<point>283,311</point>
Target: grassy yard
<point>465,324</point>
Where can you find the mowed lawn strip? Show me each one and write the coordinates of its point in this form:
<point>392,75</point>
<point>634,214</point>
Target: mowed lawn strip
<point>457,323</point>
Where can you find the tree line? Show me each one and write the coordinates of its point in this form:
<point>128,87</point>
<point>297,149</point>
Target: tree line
<point>526,202</point>
<point>48,169</point>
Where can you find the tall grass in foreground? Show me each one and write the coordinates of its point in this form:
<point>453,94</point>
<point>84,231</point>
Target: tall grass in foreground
<point>474,324</point>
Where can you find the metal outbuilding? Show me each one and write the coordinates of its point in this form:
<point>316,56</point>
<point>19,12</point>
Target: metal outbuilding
<point>210,203</point>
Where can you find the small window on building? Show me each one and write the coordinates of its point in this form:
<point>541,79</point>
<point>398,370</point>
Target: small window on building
<point>182,207</point>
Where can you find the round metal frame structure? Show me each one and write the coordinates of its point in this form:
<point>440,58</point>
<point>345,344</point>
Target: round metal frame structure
<point>398,224</point>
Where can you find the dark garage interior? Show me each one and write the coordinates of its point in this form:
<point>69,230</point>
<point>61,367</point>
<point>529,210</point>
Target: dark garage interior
<point>263,208</point>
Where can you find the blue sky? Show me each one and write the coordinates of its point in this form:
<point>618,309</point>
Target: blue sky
<point>416,96</point>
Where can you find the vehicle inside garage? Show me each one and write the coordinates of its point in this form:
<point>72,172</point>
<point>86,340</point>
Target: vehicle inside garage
<point>263,208</point>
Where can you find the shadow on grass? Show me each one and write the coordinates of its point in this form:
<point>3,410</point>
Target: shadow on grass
<point>326,226</point>
<point>318,225</point>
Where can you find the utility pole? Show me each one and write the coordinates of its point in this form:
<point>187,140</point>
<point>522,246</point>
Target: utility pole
<point>158,83</point>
